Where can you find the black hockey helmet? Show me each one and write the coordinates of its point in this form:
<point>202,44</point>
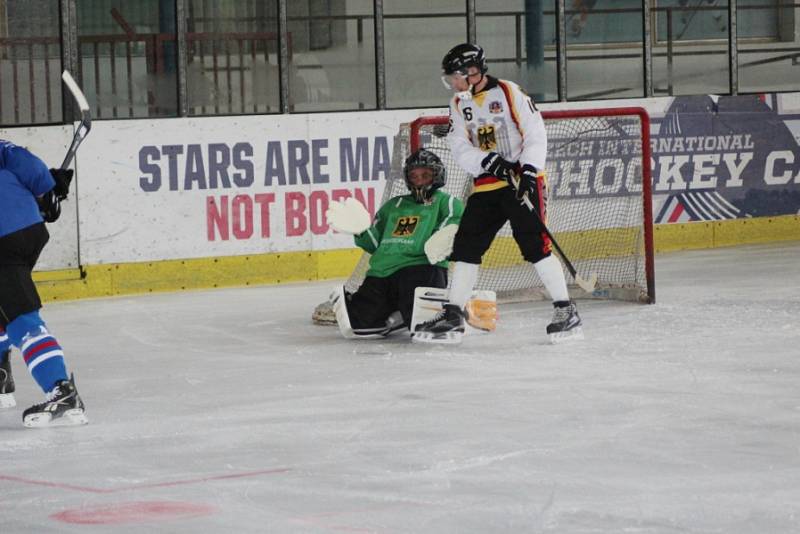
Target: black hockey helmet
<point>424,159</point>
<point>463,56</point>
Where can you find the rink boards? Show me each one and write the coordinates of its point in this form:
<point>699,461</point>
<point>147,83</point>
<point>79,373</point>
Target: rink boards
<point>172,204</point>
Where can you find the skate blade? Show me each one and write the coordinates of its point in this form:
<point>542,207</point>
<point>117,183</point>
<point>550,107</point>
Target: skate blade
<point>570,335</point>
<point>7,400</point>
<point>45,420</point>
<point>446,338</point>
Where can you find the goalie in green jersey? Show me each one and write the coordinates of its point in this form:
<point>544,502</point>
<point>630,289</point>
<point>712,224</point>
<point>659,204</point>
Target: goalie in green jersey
<point>409,240</point>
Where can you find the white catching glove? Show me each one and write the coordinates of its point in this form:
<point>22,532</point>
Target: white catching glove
<point>439,246</point>
<point>348,217</point>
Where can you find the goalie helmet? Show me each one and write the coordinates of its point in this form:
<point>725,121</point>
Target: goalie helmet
<point>424,159</point>
<point>463,56</point>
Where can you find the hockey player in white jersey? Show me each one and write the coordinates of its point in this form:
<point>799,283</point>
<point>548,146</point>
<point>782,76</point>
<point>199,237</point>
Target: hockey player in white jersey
<point>498,136</point>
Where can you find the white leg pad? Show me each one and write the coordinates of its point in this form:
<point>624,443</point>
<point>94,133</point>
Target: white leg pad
<point>340,309</point>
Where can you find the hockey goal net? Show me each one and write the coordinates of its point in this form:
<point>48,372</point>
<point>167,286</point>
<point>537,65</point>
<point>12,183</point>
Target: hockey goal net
<point>599,207</point>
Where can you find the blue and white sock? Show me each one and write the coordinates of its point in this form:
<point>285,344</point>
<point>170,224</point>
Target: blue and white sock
<point>41,351</point>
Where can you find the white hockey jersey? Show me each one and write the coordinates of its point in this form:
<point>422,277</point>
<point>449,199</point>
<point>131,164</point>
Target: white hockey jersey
<point>501,118</point>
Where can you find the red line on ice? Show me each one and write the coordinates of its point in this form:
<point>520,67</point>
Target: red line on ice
<point>87,489</point>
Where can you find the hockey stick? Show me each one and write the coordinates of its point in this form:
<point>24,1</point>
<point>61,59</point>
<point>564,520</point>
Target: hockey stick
<point>86,117</point>
<point>586,285</point>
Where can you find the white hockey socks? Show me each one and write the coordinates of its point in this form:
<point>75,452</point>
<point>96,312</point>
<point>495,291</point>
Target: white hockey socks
<point>552,275</point>
<point>464,277</point>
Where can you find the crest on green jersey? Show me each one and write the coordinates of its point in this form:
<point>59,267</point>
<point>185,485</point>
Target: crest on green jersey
<point>405,226</point>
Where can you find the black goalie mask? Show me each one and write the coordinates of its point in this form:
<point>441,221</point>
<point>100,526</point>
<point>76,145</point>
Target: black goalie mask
<point>428,160</point>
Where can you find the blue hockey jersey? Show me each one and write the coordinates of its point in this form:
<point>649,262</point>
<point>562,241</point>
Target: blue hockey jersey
<point>23,177</point>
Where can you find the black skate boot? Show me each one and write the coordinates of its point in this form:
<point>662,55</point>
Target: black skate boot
<point>6,381</point>
<point>62,407</point>
<point>446,327</point>
<point>566,323</point>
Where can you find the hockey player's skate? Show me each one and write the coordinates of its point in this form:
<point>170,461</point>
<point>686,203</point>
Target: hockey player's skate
<point>62,407</point>
<point>566,323</point>
<point>6,381</point>
<point>446,327</point>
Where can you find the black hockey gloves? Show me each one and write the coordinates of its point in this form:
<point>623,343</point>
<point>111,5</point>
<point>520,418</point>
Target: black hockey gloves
<point>49,206</point>
<point>495,165</point>
<point>63,178</point>
<point>50,202</point>
<point>528,184</point>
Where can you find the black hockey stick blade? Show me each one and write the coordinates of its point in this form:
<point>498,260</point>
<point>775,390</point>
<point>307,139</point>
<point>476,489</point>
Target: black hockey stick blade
<point>86,117</point>
<point>586,285</point>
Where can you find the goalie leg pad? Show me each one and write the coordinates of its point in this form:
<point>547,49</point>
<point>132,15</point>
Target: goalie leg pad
<point>482,311</point>
<point>338,298</point>
<point>324,314</point>
<point>393,323</point>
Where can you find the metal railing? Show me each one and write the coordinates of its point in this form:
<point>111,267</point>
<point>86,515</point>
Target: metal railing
<point>113,66</point>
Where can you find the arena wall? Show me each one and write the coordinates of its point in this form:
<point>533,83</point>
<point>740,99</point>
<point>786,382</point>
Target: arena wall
<point>171,204</point>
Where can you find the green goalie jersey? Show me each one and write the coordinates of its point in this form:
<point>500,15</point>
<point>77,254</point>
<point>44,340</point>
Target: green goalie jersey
<point>401,227</point>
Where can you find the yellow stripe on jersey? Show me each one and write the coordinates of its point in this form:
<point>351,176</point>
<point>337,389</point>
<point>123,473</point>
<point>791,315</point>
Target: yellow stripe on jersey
<point>490,186</point>
<point>508,91</point>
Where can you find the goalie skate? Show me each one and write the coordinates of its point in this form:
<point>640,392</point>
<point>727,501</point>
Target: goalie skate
<point>63,407</point>
<point>6,382</point>
<point>566,323</point>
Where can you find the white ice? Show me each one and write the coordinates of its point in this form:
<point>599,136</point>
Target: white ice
<point>679,417</point>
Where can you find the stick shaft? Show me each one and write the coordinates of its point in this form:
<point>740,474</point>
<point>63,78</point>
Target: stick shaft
<point>86,118</point>
<point>587,285</point>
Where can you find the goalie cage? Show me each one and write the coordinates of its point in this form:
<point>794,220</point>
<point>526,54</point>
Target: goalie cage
<point>599,207</point>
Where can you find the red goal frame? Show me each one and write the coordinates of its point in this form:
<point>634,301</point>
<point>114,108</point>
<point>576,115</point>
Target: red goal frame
<point>647,187</point>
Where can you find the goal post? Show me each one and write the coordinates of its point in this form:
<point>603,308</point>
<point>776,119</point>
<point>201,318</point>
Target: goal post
<point>599,203</point>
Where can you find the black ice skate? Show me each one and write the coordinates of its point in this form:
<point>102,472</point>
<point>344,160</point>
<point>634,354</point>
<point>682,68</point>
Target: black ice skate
<point>566,323</point>
<point>446,327</point>
<point>62,407</point>
<point>6,381</point>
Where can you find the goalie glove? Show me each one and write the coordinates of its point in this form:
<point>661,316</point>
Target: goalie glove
<point>439,246</point>
<point>495,165</point>
<point>348,217</point>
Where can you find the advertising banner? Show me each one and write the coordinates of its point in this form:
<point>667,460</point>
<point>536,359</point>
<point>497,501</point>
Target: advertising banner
<point>224,186</point>
<point>718,158</point>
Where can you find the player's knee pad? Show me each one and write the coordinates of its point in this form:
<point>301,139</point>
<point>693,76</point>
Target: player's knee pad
<point>26,326</point>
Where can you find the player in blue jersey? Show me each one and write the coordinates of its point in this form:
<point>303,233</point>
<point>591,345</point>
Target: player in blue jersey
<point>30,195</point>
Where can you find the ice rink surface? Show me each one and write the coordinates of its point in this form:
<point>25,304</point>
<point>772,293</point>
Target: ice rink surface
<point>228,411</point>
